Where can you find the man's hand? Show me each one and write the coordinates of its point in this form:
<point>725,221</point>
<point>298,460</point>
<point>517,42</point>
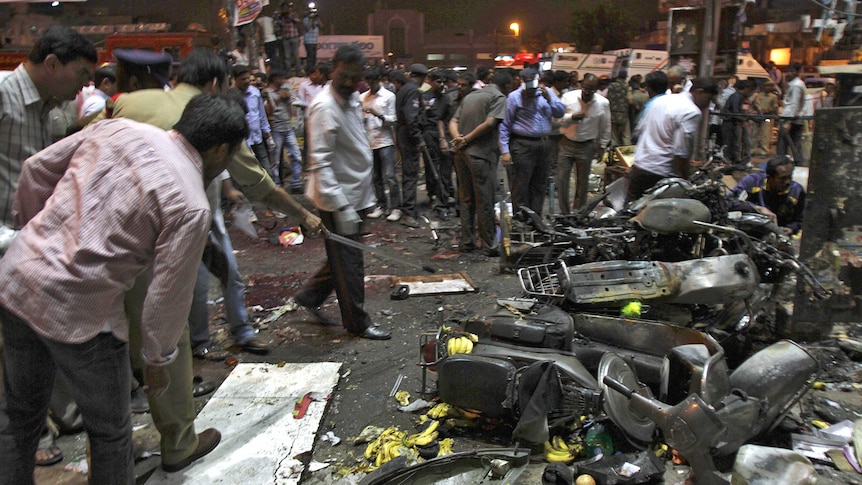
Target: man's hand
<point>270,143</point>
<point>312,224</point>
<point>459,142</point>
<point>347,221</point>
<point>444,145</point>
<point>156,380</point>
<point>766,212</point>
<point>234,195</point>
<point>545,94</point>
<point>506,159</point>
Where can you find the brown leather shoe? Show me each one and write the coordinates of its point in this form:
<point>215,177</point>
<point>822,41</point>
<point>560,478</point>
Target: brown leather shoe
<point>208,439</point>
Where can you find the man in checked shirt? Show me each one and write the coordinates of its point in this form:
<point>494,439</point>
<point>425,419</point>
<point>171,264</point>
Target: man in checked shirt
<point>98,208</point>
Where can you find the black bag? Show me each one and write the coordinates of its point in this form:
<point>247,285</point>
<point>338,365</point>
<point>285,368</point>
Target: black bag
<point>546,326</point>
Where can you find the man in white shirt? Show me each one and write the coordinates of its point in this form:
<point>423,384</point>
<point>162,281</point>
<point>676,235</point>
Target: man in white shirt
<point>378,106</point>
<point>667,133</point>
<point>105,82</point>
<point>794,105</point>
<point>586,129</point>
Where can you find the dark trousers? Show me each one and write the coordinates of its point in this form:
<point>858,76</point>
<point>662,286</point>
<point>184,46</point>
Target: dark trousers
<point>476,180</point>
<point>438,179</point>
<point>409,171</point>
<point>271,49</point>
<point>99,378</point>
<point>579,155</point>
<point>261,152</point>
<point>639,182</point>
<point>383,177</point>
<point>344,272</point>
<point>529,173</point>
<point>310,57</point>
<point>784,148</point>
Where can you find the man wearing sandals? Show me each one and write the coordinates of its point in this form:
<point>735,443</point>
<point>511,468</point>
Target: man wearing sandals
<point>60,63</point>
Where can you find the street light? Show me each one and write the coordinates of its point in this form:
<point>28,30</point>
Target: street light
<point>515,28</point>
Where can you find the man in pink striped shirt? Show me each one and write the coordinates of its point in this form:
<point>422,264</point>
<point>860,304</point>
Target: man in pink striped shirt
<point>101,207</point>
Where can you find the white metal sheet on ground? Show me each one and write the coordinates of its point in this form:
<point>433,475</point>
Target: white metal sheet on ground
<point>253,409</point>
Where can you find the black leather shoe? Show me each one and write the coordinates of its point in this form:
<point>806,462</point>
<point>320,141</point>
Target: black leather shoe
<point>208,439</point>
<point>375,333</point>
<point>255,345</point>
<point>314,311</point>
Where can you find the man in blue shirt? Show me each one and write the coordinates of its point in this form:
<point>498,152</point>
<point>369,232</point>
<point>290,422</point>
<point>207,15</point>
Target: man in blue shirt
<point>524,139</point>
<point>773,194</point>
<point>258,125</point>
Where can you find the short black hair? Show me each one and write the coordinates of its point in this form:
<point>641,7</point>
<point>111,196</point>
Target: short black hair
<point>482,72</point>
<point>240,69</point>
<point>64,43</point>
<point>201,66</point>
<point>210,120</point>
<point>467,76</point>
<point>656,82</point>
<point>373,73</point>
<point>277,73</point>
<point>776,161</point>
<point>744,84</point>
<point>502,77</point>
<point>348,54</point>
<point>324,69</point>
<point>560,76</point>
<point>102,73</point>
<point>707,84</point>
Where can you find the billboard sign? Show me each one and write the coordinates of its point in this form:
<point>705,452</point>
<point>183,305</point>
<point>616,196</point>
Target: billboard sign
<point>370,45</point>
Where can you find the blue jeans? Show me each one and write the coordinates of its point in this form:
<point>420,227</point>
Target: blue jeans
<point>383,174</point>
<point>287,139</point>
<point>99,379</point>
<point>234,298</point>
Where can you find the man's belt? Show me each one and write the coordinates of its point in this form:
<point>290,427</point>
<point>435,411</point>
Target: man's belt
<point>515,136</point>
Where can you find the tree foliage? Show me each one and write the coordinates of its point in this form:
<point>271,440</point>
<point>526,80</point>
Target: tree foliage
<point>608,27</point>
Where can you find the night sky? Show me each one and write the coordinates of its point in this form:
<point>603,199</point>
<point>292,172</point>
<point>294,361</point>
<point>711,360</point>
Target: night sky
<point>548,19</point>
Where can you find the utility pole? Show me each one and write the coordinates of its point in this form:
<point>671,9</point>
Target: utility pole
<point>709,47</point>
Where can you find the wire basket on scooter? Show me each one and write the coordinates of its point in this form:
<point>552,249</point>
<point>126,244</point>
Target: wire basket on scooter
<point>543,281</point>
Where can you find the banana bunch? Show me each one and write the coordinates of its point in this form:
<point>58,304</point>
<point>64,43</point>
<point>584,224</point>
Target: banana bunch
<point>375,451</point>
<point>558,450</point>
<point>459,345</point>
<point>441,410</point>
<point>425,437</point>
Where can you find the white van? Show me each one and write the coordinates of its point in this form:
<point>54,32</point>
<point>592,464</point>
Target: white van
<point>645,61</point>
<point>598,64</point>
<point>640,61</point>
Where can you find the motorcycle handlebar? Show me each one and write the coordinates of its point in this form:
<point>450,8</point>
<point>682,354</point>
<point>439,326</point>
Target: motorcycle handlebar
<point>618,386</point>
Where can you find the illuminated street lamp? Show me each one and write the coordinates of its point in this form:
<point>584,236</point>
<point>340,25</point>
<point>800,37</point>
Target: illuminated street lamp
<point>515,28</point>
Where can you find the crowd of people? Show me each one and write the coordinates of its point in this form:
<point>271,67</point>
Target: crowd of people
<point>119,221</point>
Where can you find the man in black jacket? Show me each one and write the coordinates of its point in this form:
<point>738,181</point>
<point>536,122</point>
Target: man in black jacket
<point>409,136</point>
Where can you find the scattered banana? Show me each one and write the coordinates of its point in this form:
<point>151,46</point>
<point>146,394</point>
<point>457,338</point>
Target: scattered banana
<point>446,447</point>
<point>557,450</point>
<point>403,397</point>
<point>441,410</point>
<point>459,345</point>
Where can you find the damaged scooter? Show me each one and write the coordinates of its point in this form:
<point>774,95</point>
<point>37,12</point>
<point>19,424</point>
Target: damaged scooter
<point>703,408</point>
